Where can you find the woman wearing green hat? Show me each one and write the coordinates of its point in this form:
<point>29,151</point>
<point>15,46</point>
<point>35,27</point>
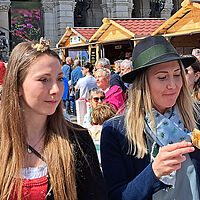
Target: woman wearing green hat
<point>147,152</point>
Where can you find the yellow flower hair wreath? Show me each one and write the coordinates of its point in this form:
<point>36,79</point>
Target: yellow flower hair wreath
<point>42,46</point>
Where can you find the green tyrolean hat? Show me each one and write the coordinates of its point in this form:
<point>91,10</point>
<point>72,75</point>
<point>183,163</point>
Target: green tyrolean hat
<point>151,51</point>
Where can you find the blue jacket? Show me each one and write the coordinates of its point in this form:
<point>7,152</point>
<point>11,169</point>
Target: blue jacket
<point>66,71</point>
<point>115,79</point>
<point>75,75</point>
<point>127,177</point>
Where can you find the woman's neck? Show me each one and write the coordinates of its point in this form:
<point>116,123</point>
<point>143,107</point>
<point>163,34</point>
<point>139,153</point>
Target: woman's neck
<point>105,89</point>
<point>35,127</point>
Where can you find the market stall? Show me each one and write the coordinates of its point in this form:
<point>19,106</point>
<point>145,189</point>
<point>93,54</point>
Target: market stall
<point>183,28</point>
<point>74,43</point>
<point>116,36</point>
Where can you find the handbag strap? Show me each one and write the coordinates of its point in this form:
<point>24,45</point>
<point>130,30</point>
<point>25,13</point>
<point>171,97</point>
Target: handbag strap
<point>49,195</point>
<point>31,149</point>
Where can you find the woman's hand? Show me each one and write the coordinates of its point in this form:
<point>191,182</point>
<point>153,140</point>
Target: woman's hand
<point>170,158</point>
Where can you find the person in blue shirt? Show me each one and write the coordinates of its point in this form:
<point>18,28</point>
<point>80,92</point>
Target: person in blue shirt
<point>76,73</point>
<point>67,68</point>
<point>147,152</point>
<point>75,76</point>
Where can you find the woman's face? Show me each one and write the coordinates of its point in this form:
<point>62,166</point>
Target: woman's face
<point>191,77</point>
<point>84,71</point>
<point>97,99</point>
<point>101,80</point>
<point>165,83</point>
<point>43,87</point>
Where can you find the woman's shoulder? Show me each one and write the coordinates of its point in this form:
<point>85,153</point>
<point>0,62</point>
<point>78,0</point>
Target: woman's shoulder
<point>80,138</point>
<point>113,89</point>
<point>115,121</point>
<point>77,132</point>
<point>115,125</point>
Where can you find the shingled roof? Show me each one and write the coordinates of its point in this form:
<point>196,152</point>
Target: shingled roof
<point>140,26</point>
<point>87,33</point>
<point>131,27</point>
<point>84,33</point>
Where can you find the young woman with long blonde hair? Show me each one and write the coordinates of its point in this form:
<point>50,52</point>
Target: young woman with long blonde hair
<point>43,156</point>
<point>147,153</point>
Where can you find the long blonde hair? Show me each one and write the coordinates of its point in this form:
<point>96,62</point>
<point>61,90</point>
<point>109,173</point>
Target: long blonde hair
<point>139,99</point>
<point>58,151</point>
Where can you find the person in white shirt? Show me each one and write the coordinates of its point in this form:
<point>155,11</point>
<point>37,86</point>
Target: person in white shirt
<point>86,83</point>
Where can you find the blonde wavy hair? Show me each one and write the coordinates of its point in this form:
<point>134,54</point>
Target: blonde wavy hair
<point>139,99</point>
<point>58,152</point>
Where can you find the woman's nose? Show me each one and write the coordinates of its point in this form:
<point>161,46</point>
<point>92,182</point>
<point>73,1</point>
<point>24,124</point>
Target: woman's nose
<point>171,84</point>
<point>54,88</point>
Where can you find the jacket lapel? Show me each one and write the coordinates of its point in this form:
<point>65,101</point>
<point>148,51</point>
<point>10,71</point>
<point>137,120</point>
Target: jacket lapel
<point>195,157</point>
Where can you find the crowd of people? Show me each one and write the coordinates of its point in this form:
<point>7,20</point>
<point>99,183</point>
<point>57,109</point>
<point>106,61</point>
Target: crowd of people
<point>135,139</point>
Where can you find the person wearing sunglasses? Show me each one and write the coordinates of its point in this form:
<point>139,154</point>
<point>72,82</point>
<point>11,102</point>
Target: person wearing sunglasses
<point>96,96</point>
<point>99,99</point>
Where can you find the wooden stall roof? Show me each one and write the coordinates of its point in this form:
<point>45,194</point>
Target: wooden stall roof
<point>84,33</point>
<point>119,29</point>
<point>184,21</point>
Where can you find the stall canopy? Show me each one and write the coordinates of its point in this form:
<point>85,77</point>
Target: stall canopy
<point>76,36</point>
<point>125,29</point>
<point>74,43</point>
<point>183,28</point>
<point>117,36</point>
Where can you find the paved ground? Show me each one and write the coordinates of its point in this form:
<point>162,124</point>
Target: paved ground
<point>73,118</point>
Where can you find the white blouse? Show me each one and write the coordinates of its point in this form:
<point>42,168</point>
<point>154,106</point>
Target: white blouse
<point>34,172</point>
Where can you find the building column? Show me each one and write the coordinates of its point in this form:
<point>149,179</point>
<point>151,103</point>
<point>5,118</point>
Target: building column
<point>4,20</point>
<point>122,8</point>
<point>48,10</point>
<point>94,14</point>
<point>107,8</point>
<point>166,12</point>
<point>117,8</point>
<point>145,8</point>
<point>65,15</point>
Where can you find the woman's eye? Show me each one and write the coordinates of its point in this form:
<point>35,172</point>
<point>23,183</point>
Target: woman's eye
<point>60,79</point>
<point>177,75</point>
<point>162,78</point>
<point>43,79</point>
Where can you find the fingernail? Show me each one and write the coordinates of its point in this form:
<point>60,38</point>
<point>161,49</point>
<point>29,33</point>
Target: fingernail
<point>192,148</point>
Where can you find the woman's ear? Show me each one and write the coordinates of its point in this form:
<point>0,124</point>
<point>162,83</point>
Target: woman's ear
<point>197,76</point>
<point>89,101</point>
<point>20,92</point>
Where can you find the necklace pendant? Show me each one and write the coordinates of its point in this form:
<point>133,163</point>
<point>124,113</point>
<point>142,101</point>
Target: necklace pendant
<point>29,151</point>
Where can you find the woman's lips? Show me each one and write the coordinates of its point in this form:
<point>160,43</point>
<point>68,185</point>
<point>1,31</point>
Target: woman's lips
<point>173,94</point>
<point>51,102</point>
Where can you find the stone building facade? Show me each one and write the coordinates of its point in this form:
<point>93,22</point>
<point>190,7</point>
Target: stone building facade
<point>58,14</point>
